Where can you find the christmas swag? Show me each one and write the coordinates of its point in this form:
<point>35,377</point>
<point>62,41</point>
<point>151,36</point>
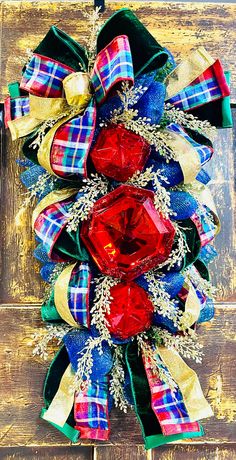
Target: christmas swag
<point>116,139</point>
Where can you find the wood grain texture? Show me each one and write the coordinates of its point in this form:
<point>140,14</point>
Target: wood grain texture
<point>23,375</point>
<point>179,26</point>
<point>45,453</point>
<point>222,185</point>
<point>19,265</point>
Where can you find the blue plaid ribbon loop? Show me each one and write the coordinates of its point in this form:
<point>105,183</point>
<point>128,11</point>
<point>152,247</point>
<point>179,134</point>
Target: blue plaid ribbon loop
<point>78,293</point>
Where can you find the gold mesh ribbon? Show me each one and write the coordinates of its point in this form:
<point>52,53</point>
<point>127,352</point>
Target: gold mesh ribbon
<point>51,198</point>
<point>188,383</point>
<point>192,306</point>
<point>44,108</point>
<point>62,403</point>
<point>186,155</point>
<point>187,71</point>
<point>23,126</point>
<point>61,295</point>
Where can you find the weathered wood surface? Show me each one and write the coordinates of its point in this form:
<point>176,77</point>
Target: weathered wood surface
<point>23,435</point>
<point>21,395</point>
<point>179,26</point>
<point>18,264</point>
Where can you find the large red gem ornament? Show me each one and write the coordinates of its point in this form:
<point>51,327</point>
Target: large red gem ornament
<point>125,234</point>
<point>131,311</point>
<point>119,153</point>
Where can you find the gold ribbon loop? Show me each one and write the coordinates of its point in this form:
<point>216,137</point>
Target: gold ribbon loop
<point>186,155</point>
<point>44,108</point>
<point>78,94</point>
<point>62,403</point>
<point>192,306</point>
<point>188,383</point>
<point>187,71</point>
<point>23,126</point>
<point>61,295</point>
<point>77,89</point>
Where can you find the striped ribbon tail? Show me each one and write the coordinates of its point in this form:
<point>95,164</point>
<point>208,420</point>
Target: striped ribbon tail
<point>91,410</point>
<point>113,64</point>
<point>167,403</point>
<point>209,86</point>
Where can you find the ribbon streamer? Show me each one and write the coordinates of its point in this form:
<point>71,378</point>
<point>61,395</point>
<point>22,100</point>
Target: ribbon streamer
<point>187,380</point>
<point>62,403</point>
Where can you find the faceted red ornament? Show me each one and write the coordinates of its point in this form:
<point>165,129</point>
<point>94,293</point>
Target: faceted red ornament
<point>131,310</point>
<point>119,153</point>
<point>125,234</point>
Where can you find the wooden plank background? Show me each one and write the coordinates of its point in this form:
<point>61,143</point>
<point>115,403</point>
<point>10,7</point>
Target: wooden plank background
<point>181,27</point>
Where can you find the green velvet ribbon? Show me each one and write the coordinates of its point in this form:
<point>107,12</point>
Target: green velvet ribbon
<point>14,89</point>
<point>28,150</point>
<point>69,244</point>
<point>59,46</point>
<point>227,120</point>
<point>150,426</point>
<point>49,312</point>
<point>51,385</point>
<point>218,112</point>
<point>147,54</point>
<point>203,269</point>
<point>192,239</point>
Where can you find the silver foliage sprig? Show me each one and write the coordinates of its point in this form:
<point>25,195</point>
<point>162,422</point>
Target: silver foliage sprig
<point>117,379</point>
<point>50,122</point>
<point>85,362</point>
<point>51,334</point>
<point>129,117</point>
<point>93,187</point>
<point>44,180</point>
<point>186,344</point>
<point>162,196</point>
<point>175,115</point>
<point>151,355</point>
<point>177,254</point>
<point>161,300</point>
<point>203,285</point>
<point>94,23</point>
<point>101,305</point>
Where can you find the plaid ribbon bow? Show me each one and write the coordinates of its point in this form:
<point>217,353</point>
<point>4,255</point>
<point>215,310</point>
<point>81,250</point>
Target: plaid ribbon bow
<point>45,78</point>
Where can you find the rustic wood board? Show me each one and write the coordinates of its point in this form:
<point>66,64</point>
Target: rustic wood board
<point>21,396</point>
<point>179,26</point>
<point>18,263</point>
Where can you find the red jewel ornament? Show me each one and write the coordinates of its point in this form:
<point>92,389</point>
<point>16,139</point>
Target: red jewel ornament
<point>125,234</point>
<point>131,311</point>
<point>119,153</point>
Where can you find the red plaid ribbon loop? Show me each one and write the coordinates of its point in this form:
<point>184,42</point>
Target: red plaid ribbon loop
<point>167,403</point>
<point>91,410</point>
<point>71,144</point>
<point>209,86</point>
